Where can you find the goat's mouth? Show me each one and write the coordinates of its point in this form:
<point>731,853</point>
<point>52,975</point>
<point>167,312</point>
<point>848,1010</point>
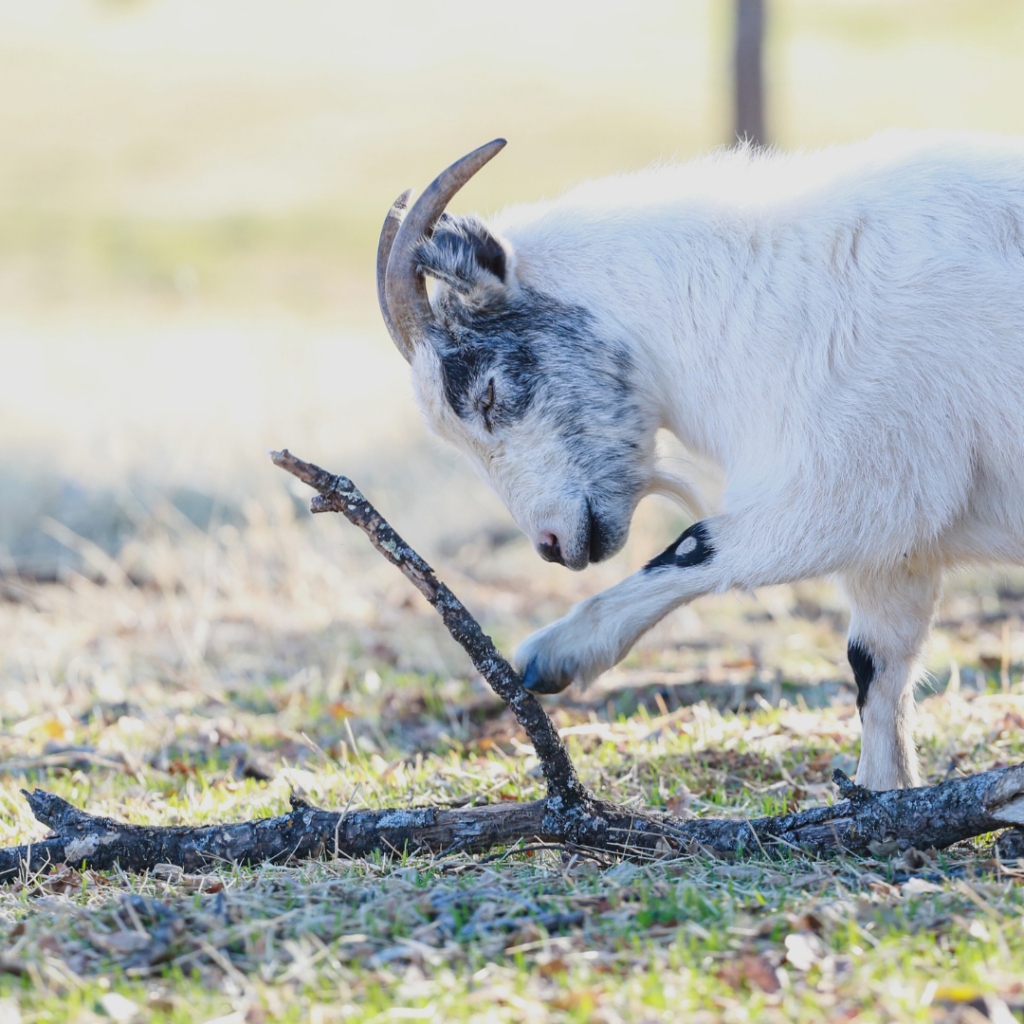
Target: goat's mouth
<point>599,546</point>
<point>594,541</point>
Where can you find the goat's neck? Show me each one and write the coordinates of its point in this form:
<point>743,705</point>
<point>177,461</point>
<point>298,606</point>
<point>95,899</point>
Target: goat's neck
<point>703,361</point>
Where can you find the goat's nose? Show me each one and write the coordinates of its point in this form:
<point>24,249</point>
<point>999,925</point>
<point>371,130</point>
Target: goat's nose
<point>549,548</point>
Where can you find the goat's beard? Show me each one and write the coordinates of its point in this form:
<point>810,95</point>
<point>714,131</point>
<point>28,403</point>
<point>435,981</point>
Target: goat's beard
<point>679,489</point>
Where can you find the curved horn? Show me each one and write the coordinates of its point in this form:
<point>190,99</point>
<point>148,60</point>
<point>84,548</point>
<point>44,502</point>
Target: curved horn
<point>392,222</point>
<point>405,291</point>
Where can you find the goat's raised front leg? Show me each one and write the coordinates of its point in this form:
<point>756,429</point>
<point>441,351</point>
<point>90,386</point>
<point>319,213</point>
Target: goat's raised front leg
<point>713,555</point>
<point>890,615</point>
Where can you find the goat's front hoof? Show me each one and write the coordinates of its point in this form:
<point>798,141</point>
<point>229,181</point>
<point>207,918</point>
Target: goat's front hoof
<point>537,681</point>
<point>563,652</point>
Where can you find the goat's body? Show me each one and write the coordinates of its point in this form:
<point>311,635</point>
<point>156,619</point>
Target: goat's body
<point>841,332</point>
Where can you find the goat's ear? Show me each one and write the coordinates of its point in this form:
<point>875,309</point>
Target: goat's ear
<point>464,254</point>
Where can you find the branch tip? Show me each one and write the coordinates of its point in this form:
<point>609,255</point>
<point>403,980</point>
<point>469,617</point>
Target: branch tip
<point>51,810</point>
<point>848,789</point>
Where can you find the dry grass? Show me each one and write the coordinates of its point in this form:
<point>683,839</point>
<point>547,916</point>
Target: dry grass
<point>245,662</point>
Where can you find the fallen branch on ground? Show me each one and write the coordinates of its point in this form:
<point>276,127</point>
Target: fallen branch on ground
<point>875,823</point>
<point>570,816</point>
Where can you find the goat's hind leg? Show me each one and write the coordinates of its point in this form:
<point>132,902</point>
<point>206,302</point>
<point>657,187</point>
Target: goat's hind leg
<point>890,615</point>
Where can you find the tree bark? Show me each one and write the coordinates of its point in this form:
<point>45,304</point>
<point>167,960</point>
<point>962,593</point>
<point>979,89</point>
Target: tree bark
<point>570,816</point>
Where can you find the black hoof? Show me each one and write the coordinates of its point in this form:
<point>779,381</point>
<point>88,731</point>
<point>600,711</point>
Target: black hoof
<point>536,683</point>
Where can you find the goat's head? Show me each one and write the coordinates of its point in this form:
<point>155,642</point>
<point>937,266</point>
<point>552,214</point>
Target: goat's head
<point>545,408</point>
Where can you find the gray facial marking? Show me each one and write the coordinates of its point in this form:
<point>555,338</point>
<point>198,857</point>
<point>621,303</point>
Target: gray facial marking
<point>544,357</point>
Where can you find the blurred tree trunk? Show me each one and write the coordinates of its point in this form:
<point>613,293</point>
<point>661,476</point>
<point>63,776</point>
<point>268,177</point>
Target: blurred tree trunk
<point>748,72</point>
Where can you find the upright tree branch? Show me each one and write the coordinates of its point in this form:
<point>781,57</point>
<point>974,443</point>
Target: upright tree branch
<point>568,800</point>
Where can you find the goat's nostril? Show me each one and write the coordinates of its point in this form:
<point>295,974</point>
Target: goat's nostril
<point>549,548</point>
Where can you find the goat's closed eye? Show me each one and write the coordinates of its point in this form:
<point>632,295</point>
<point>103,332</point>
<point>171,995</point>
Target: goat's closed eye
<point>487,404</point>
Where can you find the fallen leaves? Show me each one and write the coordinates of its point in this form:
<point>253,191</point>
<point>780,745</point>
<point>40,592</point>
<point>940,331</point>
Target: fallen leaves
<point>752,971</point>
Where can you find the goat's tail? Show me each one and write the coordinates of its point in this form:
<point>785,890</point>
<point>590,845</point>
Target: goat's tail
<point>680,490</point>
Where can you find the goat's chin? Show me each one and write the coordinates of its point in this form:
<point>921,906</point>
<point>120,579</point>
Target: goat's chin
<point>680,490</point>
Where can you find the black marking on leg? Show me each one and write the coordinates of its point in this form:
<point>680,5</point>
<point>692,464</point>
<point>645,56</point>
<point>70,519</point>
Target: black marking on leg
<point>863,666</point>
<point>692,548</point>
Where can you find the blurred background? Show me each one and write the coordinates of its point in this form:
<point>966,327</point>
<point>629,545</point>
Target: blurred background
<point>190,196</point>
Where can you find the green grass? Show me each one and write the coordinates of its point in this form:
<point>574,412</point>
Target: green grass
<point>456,938</point>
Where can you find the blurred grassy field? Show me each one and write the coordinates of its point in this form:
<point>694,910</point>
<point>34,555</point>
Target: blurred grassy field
<point>190,195</point>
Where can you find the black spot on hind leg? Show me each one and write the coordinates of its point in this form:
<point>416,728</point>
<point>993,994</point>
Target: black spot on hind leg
<point>863,666</point>
<point>691,548</point>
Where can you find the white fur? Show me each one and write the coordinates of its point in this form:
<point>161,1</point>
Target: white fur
<point>842,332</point>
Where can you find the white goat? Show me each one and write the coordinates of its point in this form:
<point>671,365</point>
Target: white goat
<point>842,332</point>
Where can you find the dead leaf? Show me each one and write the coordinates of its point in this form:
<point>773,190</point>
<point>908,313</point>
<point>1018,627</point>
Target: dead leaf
<point>885,848</point>
<point>122,943</point>
<point>754,971</point>
<point>190,883</point>
<point>915,860</point>
<point>201,883</point>
<point>663,848</point>
<point>678,803</point>
<point>809,922</point>
<point>919,887</point>
<point>556,965</point>
<point>60,881</point>
<point>803,951</point>
<point>885,890</point>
